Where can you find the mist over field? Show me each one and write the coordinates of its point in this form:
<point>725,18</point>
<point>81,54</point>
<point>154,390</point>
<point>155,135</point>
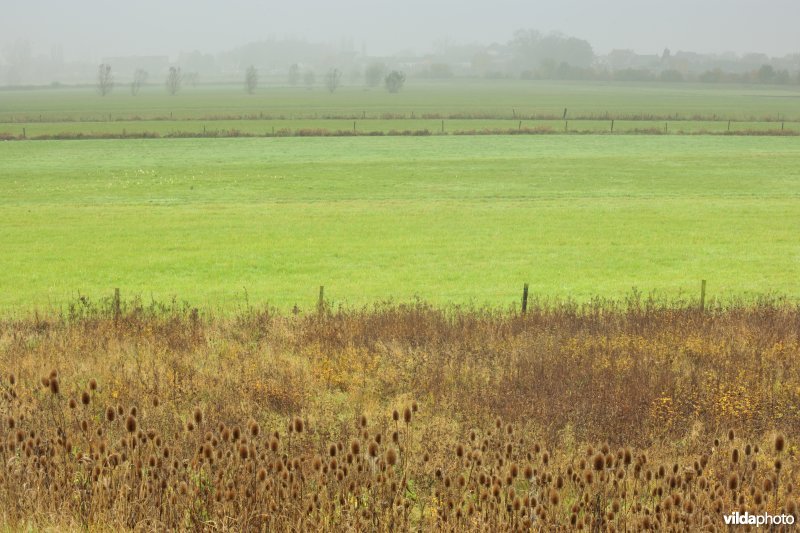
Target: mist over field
<point>45,41</point>
<point>399,266</point>
<point>93,28</point>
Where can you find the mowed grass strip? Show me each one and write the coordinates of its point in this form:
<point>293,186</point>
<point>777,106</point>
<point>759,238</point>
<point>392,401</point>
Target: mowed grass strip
<point>319,127</point>
<point>448,219</point>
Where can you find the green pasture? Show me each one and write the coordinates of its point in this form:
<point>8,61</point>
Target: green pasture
<point>466,98</point>
<point>451,219</point>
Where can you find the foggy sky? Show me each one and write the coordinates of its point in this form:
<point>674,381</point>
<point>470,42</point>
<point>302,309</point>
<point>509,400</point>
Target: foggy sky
<point>92,29</point>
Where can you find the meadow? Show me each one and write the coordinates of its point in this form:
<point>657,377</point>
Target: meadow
<point>472,106</point>
<point>215,392</point>
<point>470,99</point>
<point>447,219</point>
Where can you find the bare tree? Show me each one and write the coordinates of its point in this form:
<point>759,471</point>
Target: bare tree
<point>251,79</point>
<point>394,81</point>
<point>333,79</point>
<point>105,80</point>
<point>139,79</point>
<point>309,78</point>
<point>174,80</point>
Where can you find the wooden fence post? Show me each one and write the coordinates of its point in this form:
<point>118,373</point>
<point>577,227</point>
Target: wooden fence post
<point>116,304</point>
<point>321,300</point>
<point>703,295</point>
<point>525,299</point>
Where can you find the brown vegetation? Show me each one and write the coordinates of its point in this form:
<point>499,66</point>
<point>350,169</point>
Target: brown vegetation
<point>601,416</point>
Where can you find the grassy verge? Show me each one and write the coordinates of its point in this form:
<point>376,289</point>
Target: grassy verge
<point>603,414</point>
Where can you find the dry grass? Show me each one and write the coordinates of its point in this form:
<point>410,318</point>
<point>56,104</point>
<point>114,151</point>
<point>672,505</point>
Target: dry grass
<point>602,417</point>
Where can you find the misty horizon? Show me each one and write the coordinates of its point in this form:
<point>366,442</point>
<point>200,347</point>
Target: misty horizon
<point>99,30</point>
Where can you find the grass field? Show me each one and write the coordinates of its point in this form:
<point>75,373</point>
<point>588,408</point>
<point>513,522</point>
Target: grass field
<point>617,413</point>
<point>448,219</point>
<point>447,107</point>
<point>473,98</point>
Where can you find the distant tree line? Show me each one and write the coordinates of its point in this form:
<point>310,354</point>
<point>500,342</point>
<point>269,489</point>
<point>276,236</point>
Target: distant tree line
<point>766,74</point>
<point>527,54</point>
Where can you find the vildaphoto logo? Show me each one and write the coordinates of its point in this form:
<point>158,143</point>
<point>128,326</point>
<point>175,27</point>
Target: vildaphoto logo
<point>758,520</point>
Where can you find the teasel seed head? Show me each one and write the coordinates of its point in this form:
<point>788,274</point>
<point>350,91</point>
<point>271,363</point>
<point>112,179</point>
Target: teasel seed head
<point>791,507</point>
<point>391,457</point>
